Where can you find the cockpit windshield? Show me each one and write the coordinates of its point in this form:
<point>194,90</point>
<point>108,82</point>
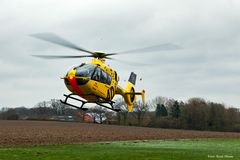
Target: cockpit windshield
<point>85,70</point>
<point>94,72</point>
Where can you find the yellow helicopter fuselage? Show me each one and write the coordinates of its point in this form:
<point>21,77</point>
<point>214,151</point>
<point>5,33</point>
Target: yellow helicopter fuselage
<point>98,83</point>
<point>93,81</point>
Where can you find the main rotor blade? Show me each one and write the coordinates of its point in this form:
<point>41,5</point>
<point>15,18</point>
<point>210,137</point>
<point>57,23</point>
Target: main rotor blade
<point>128,62</point>
<point>50,37</point>
<point>166,46</point>
<point>58,57</point>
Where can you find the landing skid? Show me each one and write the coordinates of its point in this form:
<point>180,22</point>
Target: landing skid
<point>102,104</point>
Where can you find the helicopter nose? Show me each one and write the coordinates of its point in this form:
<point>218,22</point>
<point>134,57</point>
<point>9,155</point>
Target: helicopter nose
<point>71,73</point>
<point>70,78</point>
<point>73,82</point>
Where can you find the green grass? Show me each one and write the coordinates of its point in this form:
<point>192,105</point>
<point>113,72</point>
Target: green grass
<point>209,149</point>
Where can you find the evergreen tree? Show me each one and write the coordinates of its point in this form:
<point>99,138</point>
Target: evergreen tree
<point>161,110</point>
<point>158,111</point>
<point>176,110</point>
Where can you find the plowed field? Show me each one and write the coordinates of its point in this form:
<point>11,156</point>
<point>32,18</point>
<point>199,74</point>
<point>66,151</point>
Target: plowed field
<point>48,132</point>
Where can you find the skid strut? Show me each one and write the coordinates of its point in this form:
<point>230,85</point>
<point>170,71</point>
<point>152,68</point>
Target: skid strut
<point>72,105</point>
<point>83,102</point>
<point>113,109</point>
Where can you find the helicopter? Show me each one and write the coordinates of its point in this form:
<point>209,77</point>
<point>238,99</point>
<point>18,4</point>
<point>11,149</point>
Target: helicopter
<point>95,81</point>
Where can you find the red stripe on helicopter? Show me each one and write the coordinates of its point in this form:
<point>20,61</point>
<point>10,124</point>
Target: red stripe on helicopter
<point>72,80</point>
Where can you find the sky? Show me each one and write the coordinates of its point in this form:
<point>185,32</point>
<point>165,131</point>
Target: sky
<point>207,65</point>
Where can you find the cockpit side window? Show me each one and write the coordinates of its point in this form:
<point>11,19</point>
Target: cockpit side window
<point>116,78</point>
<point>97,74</point>
<point>102,76</point>
<point>85,70</point>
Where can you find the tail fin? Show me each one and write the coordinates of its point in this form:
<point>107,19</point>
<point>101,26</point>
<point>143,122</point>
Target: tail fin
<point>130,94</point>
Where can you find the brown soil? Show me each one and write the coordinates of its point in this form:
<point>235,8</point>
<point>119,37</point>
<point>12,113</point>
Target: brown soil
<point>45,132</point>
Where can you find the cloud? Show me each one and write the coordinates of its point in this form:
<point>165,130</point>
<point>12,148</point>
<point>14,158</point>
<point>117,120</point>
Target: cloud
<point>206,66</point>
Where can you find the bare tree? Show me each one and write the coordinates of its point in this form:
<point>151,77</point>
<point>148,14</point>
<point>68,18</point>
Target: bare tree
<point>122,115</point>
<point>58,107</point>
<point>216,116</point>
<point>97,112</point>
<point>9,114</point>
<point>139,111</point>
<point>195,114</point>
<point>158,100</point>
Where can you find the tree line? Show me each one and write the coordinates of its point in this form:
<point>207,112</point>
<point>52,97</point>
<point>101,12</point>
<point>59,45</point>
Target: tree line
<point>194,114</point>
<point>161,112</point>
<point>41,111</point>
<point>197,114</point>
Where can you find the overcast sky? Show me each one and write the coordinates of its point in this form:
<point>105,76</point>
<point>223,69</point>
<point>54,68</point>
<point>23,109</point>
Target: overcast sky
<point>208,65</point>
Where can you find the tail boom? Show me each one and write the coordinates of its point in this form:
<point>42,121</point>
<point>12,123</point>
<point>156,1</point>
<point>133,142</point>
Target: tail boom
<point>129,93</point>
